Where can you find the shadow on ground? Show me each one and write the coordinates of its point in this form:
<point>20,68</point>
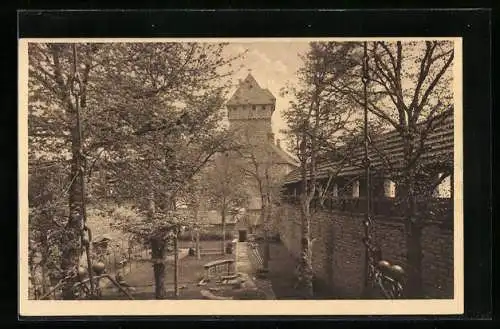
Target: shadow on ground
<point>282,275</point>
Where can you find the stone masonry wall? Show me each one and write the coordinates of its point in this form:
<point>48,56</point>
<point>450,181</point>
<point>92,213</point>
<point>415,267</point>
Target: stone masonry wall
<point>437,262</point>
<point>339,254</point>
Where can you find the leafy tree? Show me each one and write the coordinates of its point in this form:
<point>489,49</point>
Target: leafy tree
<point>179,91</point>
<point>317,118</point>
<point>47,201</point>
<point>58,81</point>
<point>151,108</point>
<point>225,189</point>
<point>410,92</point>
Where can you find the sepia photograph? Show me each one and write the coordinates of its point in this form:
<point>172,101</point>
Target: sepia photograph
<point>185,176</point>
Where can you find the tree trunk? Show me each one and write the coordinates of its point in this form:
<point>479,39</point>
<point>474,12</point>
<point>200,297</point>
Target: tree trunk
<point>413,287</point>
<point>223,231</point>
<point>158,257</point>
<point>72,244</point>
<point>32,269</point>
<point>414,256</point>
<point>265,223</point>
<point>267,251</point>
<point>43,287</point>
<point>196,234</point>
<point>71,250</point>
<point>44,256</point>
<point>413,241</point>
<point>158,246</point>
<point>306,270</point>
<point>176,266</point>
<point>307,193</point>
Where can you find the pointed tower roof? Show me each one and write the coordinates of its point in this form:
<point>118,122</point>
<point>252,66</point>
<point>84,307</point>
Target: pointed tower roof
<point>249,92</point>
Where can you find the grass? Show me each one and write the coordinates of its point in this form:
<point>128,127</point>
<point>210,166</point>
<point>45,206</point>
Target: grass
<point>190,273</point>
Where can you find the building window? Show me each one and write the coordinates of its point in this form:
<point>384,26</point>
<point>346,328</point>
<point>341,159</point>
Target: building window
<point>254,107</point>
<point>389,188</point>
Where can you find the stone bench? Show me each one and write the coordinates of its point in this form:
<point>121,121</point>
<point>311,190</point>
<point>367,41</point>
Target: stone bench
<point>216,265</point>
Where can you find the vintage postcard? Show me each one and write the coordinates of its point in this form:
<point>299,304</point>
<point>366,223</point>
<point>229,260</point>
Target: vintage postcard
<point>241,176</point>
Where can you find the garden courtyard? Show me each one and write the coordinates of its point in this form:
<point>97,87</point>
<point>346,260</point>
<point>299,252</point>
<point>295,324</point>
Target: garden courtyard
<point>278,283</point>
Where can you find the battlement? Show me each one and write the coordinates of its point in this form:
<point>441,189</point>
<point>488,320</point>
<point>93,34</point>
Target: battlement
<point>251,102</point>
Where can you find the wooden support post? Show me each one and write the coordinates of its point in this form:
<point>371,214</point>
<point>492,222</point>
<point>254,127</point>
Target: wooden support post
<point>176,266</point>
<point>198,251</point>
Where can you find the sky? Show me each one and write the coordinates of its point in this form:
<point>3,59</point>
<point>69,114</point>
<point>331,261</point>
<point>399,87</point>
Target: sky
<point>273,65</point>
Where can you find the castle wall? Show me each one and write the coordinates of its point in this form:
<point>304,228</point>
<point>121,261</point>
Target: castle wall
<point>252,131</point>
<point>339,253</point>
<point>250,111</point>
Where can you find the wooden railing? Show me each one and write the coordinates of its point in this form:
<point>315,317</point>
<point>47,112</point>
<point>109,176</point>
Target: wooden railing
<point>388,207</point>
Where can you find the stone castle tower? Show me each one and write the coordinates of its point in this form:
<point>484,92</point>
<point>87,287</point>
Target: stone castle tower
<point>250,111</point>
